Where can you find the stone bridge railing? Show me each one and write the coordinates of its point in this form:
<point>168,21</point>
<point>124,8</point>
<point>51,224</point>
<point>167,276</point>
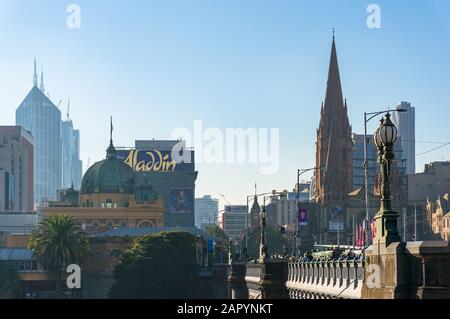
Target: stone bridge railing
<point>325,279</point>
<point>252,278</point>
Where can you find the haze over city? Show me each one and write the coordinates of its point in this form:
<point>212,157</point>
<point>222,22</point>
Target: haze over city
<point>161,65</point>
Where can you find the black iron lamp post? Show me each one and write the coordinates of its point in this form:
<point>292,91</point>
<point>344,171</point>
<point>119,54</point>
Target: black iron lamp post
<point>386,231</point>
<point>263,257</point>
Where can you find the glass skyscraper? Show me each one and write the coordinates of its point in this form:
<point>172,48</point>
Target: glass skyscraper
<point>71,164</point>
<point>38,115</point>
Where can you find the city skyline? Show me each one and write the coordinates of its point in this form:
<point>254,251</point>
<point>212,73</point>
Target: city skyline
<point>265,79</point>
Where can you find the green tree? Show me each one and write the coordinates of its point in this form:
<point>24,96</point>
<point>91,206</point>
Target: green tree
<point>59,241</point>
<point>216,231</point>
<point>161,265</point>
<point>275,241</point>
<point>9,281</point>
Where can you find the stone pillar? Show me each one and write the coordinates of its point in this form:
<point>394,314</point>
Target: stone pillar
<point>273,279</point>
<point>414,270</point>
<point>236,281</point>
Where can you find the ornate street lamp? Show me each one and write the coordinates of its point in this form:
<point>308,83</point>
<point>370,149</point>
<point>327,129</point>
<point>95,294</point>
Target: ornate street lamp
<point>263,257</point>
<point>386,219</point>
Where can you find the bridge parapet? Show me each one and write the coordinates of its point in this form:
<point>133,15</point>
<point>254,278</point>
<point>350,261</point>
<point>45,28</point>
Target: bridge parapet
<point>320,279</point>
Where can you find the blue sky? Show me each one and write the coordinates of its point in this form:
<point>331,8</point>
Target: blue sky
<point>159,65</point>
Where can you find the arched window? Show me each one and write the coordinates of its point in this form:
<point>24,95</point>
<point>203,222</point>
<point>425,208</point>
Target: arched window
<point>145,224</point>
<point>123,223</point>
<point>109,224</point>
<point>95,223</point>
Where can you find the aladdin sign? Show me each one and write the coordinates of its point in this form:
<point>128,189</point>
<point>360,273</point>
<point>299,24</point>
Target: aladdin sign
<point>148,161</point>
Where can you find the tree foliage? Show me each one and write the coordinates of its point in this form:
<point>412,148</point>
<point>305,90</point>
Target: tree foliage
<point>158,266</point>
<point>275,241</point>
<point>59,241</point>
<point>216,231</point>
<point>9,281</point>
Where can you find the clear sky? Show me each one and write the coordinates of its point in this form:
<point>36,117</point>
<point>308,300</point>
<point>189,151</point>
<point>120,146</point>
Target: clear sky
<point>159,65</point>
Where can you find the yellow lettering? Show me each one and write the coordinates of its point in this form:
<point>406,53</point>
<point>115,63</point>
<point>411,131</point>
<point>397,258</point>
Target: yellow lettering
<point>140,166</point>
<point>129,160</point>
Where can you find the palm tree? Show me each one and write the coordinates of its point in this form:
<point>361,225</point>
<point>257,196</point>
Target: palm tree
<point>58,242</point>
<point>9,281</point>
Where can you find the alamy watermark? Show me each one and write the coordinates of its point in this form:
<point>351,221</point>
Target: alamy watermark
<point>230,146</point>
<point>374,18</point>
<point>74,18</point>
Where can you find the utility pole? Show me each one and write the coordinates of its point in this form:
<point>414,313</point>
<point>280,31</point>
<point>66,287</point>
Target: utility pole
<point>415,222</point>
<point>404,226</point>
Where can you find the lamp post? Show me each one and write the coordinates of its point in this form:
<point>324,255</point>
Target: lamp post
<point>386,218</point>
<point>299,173</point>
<point>367,118</point>
<point>247,217</point>
<point>263,257</point>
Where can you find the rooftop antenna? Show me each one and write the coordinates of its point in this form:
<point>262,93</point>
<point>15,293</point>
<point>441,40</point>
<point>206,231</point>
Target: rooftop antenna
<point>68,109</point>
<point>35,77</point>
<point>42,80</point>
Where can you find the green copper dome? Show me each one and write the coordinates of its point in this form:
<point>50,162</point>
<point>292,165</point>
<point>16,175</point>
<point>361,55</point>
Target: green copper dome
<point>108,176</point>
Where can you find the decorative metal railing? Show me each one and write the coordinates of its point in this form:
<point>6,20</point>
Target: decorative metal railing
<point>329,279</point>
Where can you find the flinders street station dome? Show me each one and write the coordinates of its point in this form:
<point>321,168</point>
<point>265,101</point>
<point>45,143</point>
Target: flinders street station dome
<point>110,175</point>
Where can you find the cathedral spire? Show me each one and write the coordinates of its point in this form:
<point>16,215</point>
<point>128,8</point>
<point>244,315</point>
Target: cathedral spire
<point>333,96</point>
<point>35,77</point>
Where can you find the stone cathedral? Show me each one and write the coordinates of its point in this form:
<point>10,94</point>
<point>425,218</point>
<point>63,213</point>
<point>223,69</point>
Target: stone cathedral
<point>334,162</point>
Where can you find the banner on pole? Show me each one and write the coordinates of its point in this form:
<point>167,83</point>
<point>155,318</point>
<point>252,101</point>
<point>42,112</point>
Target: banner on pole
<point>302,217</point>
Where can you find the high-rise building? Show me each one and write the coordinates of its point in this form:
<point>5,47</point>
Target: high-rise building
<point>42,118</point>
<point>334,161</point>
<point>71,163</point>
<point>233,221</point>
<point>16,170</point>
<point>405,122</point>
<point>206,210</point>
<point>358,162</point>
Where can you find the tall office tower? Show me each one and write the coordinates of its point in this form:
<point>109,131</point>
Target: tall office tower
<point>16,170</point>
<point>71,163</point>
<point>42,118</point>
<point>406,124</point>
<point>206,210</point>
<point>358,162</point>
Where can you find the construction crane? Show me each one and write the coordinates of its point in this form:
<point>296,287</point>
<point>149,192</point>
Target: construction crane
<point>225,199</point>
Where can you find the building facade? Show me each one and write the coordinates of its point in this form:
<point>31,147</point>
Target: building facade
<point>170,165</point>
<point>406,125</point>
<point>16,170</point>
<point>423,188</point>
<point>233,221</point>
<point>438,212</point>
<point>373,168</point>
<point>38,115</point>
<point>206,210</point>
<point>110,197</point>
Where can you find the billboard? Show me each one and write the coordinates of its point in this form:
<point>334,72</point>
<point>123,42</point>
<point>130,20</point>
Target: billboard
<point>302,217</point>
<point>181,201</point>
<point>336,218</point>
<point>148,160</point>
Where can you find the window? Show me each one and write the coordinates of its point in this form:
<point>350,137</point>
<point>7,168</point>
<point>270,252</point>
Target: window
<point>109,203</point>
